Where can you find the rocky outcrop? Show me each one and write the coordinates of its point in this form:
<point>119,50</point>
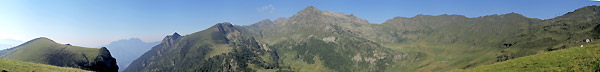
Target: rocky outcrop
<point>104,62</point>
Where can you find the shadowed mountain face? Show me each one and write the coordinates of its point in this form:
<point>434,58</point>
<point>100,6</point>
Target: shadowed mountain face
<point>315,41</point>
<point>45,51</point>
<point>127,50</point>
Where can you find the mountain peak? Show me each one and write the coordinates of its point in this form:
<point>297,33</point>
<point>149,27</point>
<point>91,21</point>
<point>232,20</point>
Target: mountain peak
<point>170,39</point>
<point>222,25</point>
<point>309,10</point>
<point>312,15</point>
<point>312,8</point>
<point>42,39</point>
<point>138,39</point>
<point>266,20</point>
<point>176,34</point>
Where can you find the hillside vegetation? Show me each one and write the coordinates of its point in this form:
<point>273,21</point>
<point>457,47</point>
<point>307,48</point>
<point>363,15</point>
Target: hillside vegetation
<point>20,66</point>
<point>579,59</point>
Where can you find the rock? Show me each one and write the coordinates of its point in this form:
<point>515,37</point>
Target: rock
<point>329,39</point>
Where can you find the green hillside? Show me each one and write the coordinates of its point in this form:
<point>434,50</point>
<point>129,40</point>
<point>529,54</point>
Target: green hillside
<point>45,51</point>
<point>449,41</point>
<point>578,59</point>
<point>20,66</point>
<point>220,48</point>
<point>37,48</point>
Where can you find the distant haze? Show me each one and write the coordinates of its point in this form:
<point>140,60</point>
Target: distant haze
<point>8,43</point>
<point>127,50</point>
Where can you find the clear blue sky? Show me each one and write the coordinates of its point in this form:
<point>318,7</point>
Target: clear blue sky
<point>97,22</point>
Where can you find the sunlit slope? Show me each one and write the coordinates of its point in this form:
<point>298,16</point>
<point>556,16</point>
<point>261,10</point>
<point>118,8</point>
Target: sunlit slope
<point>315,40</point>
<point>566,31</point>
<point>455,42</point>
<point>37,49</point>
<point>578,59</point>
<point>45,51</point>
<point>20,66</point>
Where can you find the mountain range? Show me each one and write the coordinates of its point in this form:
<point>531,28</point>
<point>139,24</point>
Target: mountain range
<point>314,40</point>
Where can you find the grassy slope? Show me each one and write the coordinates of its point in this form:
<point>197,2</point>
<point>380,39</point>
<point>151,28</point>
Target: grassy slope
<point>451,41</point>
<point>19,66</point>
<point>580,59</point>
<point>45,51</point>
<point>460,45</point>
<point>36,49</point>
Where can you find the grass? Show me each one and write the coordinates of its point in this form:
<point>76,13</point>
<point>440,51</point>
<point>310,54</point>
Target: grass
<point>45,51</point>
<point>36,49</point>
<point>19,66</point>
<point>578,59</point>
<point>435,56</point>
<point>219,49</point>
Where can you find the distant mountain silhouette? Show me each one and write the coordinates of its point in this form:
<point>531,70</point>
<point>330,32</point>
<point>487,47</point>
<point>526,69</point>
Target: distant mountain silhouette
<point>127,50</point>
<point>8,43</point>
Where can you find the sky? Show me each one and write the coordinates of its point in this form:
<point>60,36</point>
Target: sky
<point>92,23</point>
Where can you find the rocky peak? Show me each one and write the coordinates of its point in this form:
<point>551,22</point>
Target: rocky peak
<point>104,51</point>
<point>312,15</point>
<point>309,10</point>
<point>224,27</point>
<point>170,39</point>
<point>176,35</point>
<point>105,62</point>
<point>224,24</point>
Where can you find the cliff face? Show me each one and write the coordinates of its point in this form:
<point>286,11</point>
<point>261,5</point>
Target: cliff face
<point>104,62</point>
